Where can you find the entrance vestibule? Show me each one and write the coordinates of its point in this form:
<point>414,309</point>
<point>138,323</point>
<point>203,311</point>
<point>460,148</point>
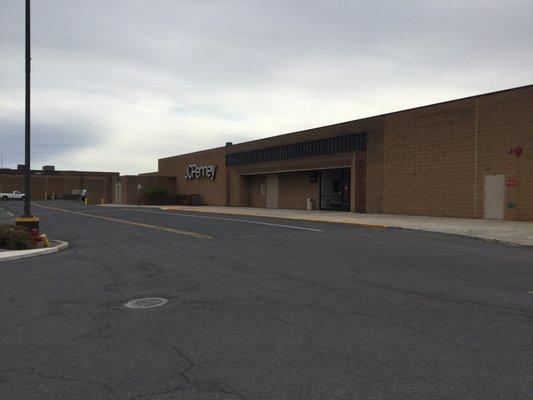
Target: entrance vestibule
<point>335,189</point>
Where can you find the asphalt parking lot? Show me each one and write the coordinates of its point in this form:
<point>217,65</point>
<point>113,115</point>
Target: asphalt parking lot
<point>261,309</point>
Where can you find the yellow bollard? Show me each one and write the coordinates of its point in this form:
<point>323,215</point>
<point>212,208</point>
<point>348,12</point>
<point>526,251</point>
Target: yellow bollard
<point>45,240</point>
<point>86,201</point>
<point>102,201</point>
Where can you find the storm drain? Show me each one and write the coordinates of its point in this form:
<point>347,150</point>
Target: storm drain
<point>147,302</point>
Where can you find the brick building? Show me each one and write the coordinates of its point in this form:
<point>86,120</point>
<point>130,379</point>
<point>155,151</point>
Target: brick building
<point>106,187</point>
<point>126,187</point>
<point>52,183</point>
<point>470,158</point>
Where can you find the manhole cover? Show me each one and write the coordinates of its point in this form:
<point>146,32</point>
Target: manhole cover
<point>147,302</point>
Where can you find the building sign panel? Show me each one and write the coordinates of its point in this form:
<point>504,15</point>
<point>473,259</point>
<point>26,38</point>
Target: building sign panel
<point>194,171</point>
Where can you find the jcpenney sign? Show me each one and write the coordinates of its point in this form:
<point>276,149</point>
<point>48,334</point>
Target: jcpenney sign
<point>196,171</point>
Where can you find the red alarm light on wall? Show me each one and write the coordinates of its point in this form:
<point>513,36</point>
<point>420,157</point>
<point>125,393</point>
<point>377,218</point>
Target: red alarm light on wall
<point>512,182</point>
<point>516,151</point>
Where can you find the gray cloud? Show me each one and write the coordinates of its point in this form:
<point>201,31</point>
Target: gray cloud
<point>138,80</point>
<point>49,140</point>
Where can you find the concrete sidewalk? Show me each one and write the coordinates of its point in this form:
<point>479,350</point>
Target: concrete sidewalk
<point>510,232</point>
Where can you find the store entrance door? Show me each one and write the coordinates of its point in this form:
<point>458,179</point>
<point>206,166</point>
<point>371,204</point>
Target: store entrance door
<point>272,191</point>
<point>335,189</point>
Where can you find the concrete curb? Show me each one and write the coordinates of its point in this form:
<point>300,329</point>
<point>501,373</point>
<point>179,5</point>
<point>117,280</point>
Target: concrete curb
<point>467,236</point>
<point>57,245</point>
<point>474,236</point>
<point>502,239</point>
<point>287,217</point>
<point>292,218</point>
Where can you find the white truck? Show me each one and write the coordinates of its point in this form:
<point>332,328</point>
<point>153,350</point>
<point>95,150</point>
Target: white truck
<point>15,195</point>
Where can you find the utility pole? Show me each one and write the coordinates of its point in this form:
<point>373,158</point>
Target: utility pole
<point>27,219</point>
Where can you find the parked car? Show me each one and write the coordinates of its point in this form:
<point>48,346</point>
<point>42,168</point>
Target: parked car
<point>15,195</point>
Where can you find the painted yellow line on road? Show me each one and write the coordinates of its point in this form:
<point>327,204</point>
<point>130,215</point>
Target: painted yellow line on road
<point>124,221</point>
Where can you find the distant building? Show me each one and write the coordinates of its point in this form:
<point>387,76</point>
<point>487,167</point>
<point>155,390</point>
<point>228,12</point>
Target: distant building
<point>51,183</point>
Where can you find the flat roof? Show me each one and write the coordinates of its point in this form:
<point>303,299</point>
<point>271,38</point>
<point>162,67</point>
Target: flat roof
<point>15,171</point>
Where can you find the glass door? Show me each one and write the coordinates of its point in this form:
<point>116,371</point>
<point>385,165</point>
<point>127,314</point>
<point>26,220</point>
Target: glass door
<point>335,189</point>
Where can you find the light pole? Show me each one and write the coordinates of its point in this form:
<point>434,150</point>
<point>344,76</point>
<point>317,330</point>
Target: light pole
<point>27,219</point>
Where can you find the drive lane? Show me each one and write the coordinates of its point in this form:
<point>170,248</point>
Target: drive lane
<point>263,312</point>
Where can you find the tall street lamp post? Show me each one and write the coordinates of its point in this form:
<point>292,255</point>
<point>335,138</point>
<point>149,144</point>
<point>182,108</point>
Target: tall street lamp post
<point>27,220</point>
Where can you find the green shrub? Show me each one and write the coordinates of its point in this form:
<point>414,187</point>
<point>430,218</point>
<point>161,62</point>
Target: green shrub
<point>153,194</point>
<point>14,237</point>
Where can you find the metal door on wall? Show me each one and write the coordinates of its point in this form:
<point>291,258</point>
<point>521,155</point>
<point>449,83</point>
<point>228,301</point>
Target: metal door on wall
<point>272,191</point>
<point>494,196</point>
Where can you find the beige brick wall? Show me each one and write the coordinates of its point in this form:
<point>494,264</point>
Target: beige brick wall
<point>295,188</point>
<point>257,198</point>
<point>128,186</point>
<point>505,122</point>
<point>374,166</point>
<point>97,189</point>
<point>9,183</point>
<point>429,161</point>
<point>244,191</point>
<point>435,157</point>
<point>213,191</point>
<point>99,186</point>
<point>234,181</point>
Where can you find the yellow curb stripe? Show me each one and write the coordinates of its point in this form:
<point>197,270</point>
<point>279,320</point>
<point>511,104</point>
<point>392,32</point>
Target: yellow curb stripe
<point>27,219</point>
<point>123,221</point>
<point>366,225</point>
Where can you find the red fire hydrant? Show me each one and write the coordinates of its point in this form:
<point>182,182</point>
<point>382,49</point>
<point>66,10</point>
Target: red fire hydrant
<point>35,236</point>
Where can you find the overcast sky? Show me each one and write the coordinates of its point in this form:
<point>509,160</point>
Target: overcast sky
<point>118,84</point>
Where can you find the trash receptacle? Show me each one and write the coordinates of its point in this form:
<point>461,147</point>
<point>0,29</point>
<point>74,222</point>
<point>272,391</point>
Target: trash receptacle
<point>309,204</point>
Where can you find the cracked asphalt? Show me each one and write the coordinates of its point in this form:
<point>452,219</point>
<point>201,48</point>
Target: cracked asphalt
<point>262,311</point>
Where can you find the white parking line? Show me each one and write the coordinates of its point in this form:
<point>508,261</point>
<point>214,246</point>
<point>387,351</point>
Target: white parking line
<point>92,210</point>
<point>3,209</point>
<point>232,220</point>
